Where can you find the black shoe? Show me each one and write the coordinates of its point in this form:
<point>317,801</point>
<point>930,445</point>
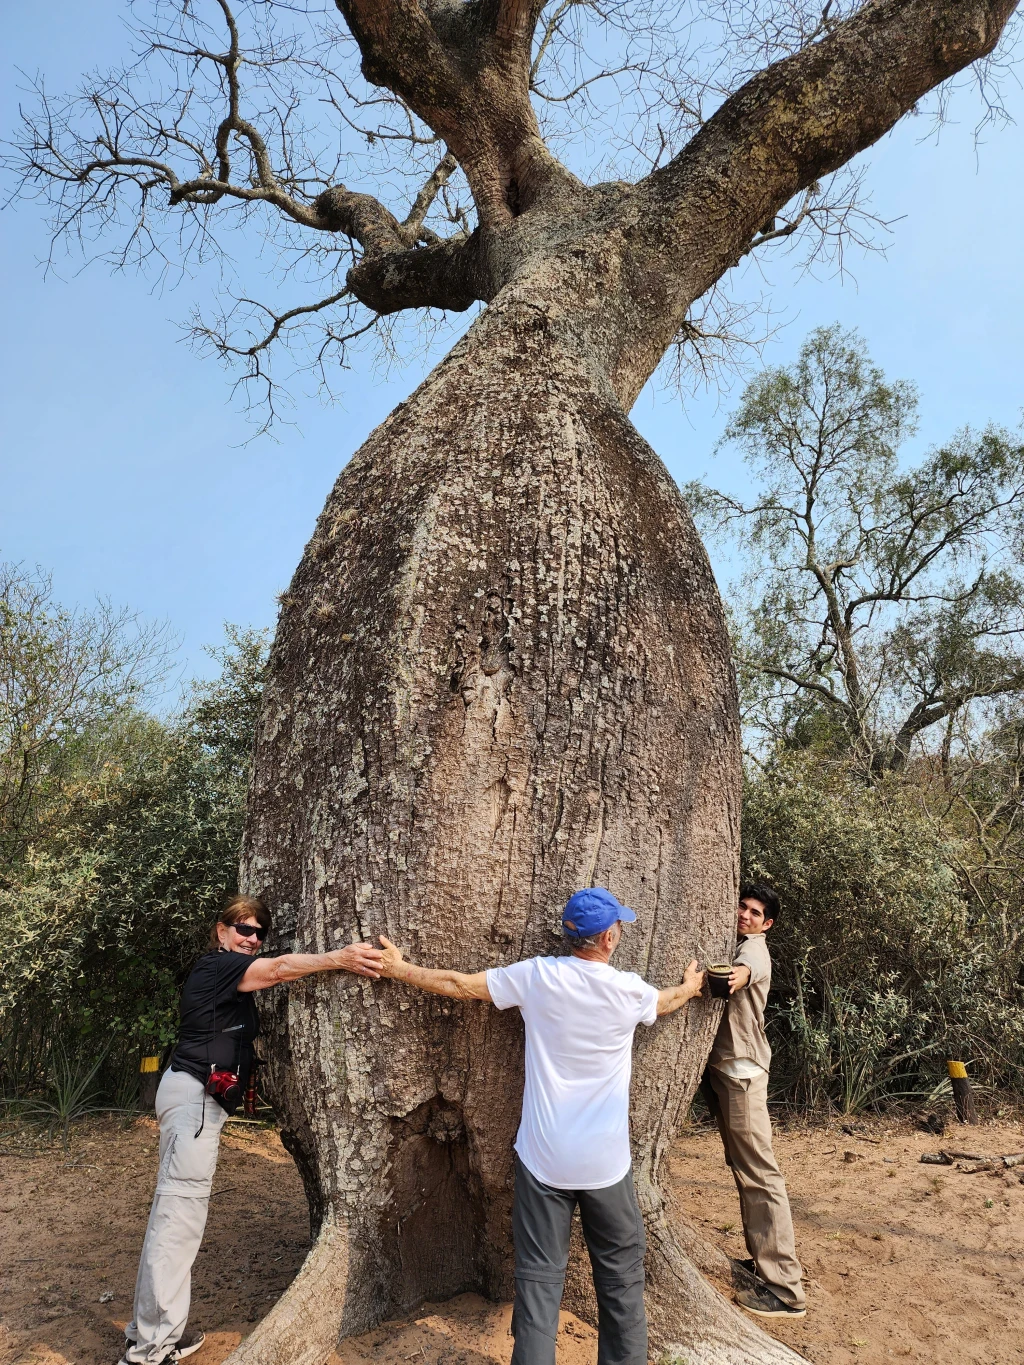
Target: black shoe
<point>747,1264</point>
<point>767,1304</point>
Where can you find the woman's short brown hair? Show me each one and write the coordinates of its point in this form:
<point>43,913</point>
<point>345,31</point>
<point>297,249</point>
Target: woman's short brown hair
<point>239,907</point>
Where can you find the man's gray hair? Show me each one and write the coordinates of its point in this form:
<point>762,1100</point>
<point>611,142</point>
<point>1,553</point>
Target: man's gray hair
<point>577,941</point>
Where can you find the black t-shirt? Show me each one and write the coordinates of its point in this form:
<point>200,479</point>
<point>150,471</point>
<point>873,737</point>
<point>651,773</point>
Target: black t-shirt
<point>216,1038</point>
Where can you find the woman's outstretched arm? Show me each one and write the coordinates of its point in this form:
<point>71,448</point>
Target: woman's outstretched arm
<point>361,958</point>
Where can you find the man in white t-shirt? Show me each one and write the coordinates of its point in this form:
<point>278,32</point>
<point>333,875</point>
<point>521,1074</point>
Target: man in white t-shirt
<point>572,1147</point>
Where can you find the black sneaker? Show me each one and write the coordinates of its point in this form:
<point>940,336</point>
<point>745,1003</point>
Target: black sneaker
<point>767,1304</point>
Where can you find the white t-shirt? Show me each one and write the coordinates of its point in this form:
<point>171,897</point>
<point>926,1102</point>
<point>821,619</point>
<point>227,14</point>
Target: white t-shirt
<point>740,1068</point>
<point>580,1017</point>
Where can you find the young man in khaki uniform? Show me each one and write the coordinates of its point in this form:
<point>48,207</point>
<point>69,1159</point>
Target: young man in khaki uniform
<point>737,1077</point>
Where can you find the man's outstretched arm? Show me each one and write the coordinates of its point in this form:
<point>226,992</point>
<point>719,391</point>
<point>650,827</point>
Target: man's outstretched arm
<point>673,997</point>
<point>456,985</point>
<point>739,977</point>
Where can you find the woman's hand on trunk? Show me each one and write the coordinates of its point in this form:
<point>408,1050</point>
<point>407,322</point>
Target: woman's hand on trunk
<point>361,958</point>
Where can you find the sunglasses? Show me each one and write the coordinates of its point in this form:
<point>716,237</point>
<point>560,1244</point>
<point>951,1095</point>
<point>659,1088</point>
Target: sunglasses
<point>248,930</point>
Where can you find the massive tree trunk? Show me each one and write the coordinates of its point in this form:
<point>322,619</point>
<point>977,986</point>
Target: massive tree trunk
<point>501,673</point>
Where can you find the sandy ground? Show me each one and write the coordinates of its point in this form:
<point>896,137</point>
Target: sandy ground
<point>904,1262</point>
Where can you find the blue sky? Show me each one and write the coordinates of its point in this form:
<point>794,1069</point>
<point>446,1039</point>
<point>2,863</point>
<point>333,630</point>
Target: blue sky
<point>125,465</point>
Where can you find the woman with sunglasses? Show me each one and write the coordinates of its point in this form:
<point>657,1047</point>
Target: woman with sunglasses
<point>218,1025</point>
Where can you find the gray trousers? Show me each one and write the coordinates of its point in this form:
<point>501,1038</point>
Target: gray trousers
<point>614,1233</point>
<point>177,1220</point>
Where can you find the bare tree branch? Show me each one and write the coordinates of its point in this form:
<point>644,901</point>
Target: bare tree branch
<point>800,119</point>
<point>252,114</point>
<point>411,229</point>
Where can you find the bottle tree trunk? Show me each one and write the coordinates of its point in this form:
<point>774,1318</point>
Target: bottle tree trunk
<point>501,673</point>
<point>502,669</point>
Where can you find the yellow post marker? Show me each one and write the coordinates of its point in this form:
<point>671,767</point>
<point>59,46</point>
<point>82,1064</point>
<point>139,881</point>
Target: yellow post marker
<point>149,1079</point>
<point>963,1098</point>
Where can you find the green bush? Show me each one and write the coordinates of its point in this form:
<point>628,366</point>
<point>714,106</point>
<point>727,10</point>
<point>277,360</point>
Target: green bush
<point>883,968</point>
<point>100,924</point>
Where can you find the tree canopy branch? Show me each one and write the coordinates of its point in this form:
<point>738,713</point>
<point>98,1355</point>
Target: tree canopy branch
<point>465,71</point>
<point>800,119</point>
<point>223,121</point>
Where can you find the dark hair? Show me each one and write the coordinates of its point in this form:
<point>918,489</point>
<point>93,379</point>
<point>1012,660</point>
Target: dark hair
<point>239,907</point>
<point>761,891</point>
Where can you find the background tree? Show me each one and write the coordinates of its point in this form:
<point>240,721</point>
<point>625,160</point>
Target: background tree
<point>502,669</point>
<point>66,677</point>
<point>878,632</point>
<point>103,915</point>
<point>900,944</point>
<point>974,796</point>
<point>877,603</point>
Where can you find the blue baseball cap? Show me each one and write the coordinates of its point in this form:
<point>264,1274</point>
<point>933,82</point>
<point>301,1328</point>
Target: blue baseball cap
<point>592,911</point>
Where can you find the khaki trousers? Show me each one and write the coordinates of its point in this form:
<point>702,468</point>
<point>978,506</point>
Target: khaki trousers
<point>177,1220</point>
<point>742,1115</point>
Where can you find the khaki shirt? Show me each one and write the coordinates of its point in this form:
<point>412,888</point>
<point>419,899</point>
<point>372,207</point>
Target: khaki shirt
<point>741,1032</point>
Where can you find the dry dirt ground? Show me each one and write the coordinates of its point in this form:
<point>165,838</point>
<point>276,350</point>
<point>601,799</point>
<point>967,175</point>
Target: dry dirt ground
<point>904,1262</point>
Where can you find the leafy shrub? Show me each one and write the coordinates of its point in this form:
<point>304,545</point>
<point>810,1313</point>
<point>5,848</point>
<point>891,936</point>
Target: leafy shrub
<point>100,924</point>
<point>882,967</point>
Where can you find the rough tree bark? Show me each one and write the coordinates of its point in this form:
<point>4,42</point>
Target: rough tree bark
<point>502,671</point>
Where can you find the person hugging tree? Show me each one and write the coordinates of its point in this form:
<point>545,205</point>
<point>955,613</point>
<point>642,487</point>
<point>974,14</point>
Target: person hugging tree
<point>736,1090</point>
<point>572,1148</point>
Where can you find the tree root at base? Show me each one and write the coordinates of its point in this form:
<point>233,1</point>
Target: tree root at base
<point>304,1325</point>
<point>691,1322</point>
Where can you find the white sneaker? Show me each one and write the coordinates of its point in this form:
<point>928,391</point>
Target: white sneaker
<point>187,1344</point>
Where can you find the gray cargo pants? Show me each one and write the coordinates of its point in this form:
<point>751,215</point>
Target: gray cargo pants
<point>614,1233</point>
<point>177,1219</point>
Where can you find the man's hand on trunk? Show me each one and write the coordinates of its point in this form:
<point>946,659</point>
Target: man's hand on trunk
<point>674,997</point>
<point>392,958</point>
<point>456,985</point>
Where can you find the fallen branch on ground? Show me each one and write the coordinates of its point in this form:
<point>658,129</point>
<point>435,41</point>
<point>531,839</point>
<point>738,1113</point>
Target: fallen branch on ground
<point>946,1157</point>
